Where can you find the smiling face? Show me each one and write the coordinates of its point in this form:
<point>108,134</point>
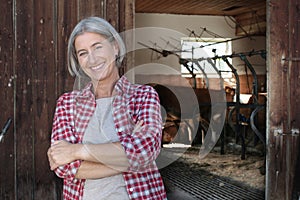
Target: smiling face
<point>96,56</point>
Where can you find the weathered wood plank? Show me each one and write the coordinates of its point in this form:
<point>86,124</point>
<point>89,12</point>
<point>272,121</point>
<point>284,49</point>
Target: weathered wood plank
<point>91,8</point>
<point>294,82</point>
<point>282,128</point>
<point>112,13</point>
<point>126,24</point>
<point>7,158</point>
<point>43,87</point>
<point>66,19</point>
<point>23,51</point>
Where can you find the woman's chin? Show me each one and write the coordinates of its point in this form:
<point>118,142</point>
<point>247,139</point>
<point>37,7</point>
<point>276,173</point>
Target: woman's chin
<point>96,76</point>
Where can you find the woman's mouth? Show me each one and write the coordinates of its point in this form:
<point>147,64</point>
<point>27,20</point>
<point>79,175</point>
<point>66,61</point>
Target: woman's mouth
<point>97,67</point>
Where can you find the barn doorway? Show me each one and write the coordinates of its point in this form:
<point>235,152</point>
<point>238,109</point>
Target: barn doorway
<point>238,155</point>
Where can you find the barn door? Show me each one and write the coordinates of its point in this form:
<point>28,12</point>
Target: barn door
<point>33,73</point>
<point>283,112</point>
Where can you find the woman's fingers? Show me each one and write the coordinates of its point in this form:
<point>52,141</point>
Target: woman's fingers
<point>51,161</point>
<point>138,126</point>
<point>60,153</point>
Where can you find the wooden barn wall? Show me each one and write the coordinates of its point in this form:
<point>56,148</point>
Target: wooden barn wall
<point>33,73</point>
<point>283,124</point>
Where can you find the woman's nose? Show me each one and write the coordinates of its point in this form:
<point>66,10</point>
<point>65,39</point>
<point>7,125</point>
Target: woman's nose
<point>92,58</point>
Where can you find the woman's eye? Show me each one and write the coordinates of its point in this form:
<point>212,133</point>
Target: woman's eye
<point>82,54</point>
<point>98,47</point>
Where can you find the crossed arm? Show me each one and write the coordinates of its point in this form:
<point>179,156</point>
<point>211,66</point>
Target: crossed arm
<point>98,160</point>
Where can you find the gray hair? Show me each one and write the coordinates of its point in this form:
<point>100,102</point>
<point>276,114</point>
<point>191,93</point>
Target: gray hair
<point>93,25</point>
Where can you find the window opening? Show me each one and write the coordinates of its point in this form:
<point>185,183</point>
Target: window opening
<point>198,49</point>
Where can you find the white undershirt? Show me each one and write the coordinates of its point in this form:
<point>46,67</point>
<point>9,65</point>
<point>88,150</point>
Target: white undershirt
<point>101,129</point>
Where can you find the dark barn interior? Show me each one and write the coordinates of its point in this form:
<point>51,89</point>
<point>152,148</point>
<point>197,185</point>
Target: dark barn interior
<point>231,113</point>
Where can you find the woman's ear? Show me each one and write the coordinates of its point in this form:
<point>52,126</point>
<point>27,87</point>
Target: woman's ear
<point>116,49</point>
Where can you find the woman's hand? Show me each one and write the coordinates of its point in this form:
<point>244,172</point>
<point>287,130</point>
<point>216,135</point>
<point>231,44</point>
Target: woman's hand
<point>61,153</point>
<point>138,127</point>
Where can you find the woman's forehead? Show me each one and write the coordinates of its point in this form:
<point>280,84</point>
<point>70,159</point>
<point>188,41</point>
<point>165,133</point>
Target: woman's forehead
<point>88,39</point>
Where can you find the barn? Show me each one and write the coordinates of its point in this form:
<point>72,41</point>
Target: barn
<point>226,73</point>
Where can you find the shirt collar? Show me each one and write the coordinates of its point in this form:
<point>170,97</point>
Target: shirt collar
<point>86,92</point>
<point>122,86</point>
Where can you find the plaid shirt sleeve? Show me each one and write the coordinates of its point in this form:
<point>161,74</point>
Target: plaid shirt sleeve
<point>142,148</point>
<point>63,129</point>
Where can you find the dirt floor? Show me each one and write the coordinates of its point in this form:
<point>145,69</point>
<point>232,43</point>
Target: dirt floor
<point>249,171</point>
<point>230,165</point>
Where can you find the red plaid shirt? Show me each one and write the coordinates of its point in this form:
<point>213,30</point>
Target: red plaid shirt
<point>132,103</point>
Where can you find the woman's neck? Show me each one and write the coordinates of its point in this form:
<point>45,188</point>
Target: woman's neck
<point>105,88</point>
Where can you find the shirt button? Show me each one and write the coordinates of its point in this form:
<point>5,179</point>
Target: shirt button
<point>131,189</point>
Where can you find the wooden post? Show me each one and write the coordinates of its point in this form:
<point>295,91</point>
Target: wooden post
<point>283,110</point>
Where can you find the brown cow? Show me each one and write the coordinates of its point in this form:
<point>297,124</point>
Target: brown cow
<point>186,111</point>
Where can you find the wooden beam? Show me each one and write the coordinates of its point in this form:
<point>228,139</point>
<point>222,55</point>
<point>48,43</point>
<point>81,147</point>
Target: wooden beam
<point>283,119</point>
<point>254,23</point>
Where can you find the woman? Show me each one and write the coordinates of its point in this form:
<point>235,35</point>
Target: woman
<point>105,137</point>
